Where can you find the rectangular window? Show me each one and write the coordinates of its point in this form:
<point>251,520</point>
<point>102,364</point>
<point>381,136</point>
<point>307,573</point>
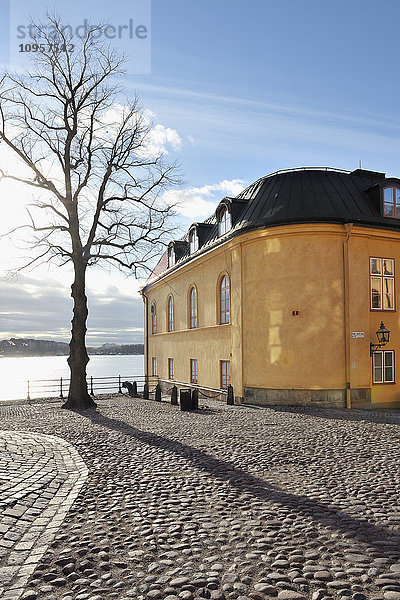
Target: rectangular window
<point>382,283</point>
<point>154,365</point>
<point>170,368</point>
<point>383,366</point>
<point>225,374</point>
<point>193,371</point>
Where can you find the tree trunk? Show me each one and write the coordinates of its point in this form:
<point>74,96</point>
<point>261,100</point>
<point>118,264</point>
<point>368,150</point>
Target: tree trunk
<point>78,397</point>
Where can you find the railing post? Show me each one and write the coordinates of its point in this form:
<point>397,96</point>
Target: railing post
<point>230,397</point>
<point>195,399</point>
<point>61,390</point>
<point>28,396</point>
<point>91,386</point>
<point>119,385</point>
<point>174,396</point>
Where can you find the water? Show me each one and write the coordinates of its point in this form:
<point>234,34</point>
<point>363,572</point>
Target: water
<point>14,372</point>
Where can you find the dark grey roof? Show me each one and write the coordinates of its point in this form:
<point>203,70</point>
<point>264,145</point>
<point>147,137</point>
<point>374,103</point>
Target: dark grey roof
<point>306,195</point>
<point>314,195</point>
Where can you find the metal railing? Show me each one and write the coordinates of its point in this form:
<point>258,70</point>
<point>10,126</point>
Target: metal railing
<point>46,388</point>
<point>206,392</point>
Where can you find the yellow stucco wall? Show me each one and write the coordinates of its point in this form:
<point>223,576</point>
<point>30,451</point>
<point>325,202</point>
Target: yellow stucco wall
<point>274,272</point>
<point>210,342</point>
<point>364,244</point>
<point>285,273</point>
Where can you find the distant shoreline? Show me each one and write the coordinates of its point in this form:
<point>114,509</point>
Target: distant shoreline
<point>66,355</point>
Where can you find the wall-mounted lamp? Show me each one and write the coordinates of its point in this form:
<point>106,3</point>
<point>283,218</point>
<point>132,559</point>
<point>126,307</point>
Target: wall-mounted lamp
<point>383,336</point>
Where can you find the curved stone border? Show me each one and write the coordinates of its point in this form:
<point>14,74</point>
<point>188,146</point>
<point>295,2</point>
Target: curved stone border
<point>52,471</point>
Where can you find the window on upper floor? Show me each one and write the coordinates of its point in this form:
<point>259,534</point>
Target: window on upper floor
<point>383,366</point>
<point>153,313</point>
<point>193,308</point>
<point>193,241</point>
<point>170,313</point>
<point>171,256</point>
<point>224,300</point>
<point>391,202</point>
<point>382,283</point>
<point>224,221</point>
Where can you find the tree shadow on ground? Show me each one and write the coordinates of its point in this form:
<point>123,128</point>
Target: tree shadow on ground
<point>384,540</point>
<point>388,417</point>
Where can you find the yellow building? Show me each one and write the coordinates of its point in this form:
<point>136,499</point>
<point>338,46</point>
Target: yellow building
<point>281,292</point>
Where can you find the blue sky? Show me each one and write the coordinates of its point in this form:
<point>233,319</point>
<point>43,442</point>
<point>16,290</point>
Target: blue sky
<point>241,89</point>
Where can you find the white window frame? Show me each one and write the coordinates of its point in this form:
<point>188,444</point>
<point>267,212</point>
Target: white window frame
<point>153,315</point>
<point>383,355</point>
<point>170,315</point>
<point>171,374</point>
<point>193,241</point>
<point>154,365</point>
<point>193,322</point>
<point>224,221</point>
<point>194,371</point>
<point>226,375</point>
<point>171,256</point>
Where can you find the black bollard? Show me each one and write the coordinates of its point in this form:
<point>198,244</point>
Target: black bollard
<point>134,389</point>
<point>146,391</point>
<point>157,397</point>
<point>195,399</point>
<point>230,397</point>
<point>185,399</point>
<point>174,396</point>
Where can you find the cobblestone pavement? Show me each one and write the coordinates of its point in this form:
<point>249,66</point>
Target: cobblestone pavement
<point>40,478</point>
<point>225,502</point>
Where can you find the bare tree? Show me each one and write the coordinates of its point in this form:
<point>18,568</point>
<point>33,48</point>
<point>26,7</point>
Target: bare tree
<point>97,186</point>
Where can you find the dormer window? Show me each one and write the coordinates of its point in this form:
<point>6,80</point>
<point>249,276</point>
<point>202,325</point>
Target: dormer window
<point>224,221</point>
<point>171,256</point>
<point>391,202</point>
<point>193,241</point>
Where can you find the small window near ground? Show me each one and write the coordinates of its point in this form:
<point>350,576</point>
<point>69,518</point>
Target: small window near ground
<point>154,365</point>
<point>225,374</point>
<point>193,371</point>
<point>383,366</point>
<point>170,368</point>
<point>382,283</point>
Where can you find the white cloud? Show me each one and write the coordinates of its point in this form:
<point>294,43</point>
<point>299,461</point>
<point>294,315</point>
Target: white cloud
<point>160,138</point>
<point>200,202</point>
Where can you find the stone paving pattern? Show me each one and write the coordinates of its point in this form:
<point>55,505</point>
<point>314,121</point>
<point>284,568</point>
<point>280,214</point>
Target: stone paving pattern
<point>40,478</point>
<point>223,503</point>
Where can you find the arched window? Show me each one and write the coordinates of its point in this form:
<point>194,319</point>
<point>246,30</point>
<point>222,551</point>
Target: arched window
<point>170,314</point>
<point>193,308</point>
<point>224,221</point>
<point>193,241</point>
<point>153,312</point>
<point>224,300</point>
<point>391,202</point>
